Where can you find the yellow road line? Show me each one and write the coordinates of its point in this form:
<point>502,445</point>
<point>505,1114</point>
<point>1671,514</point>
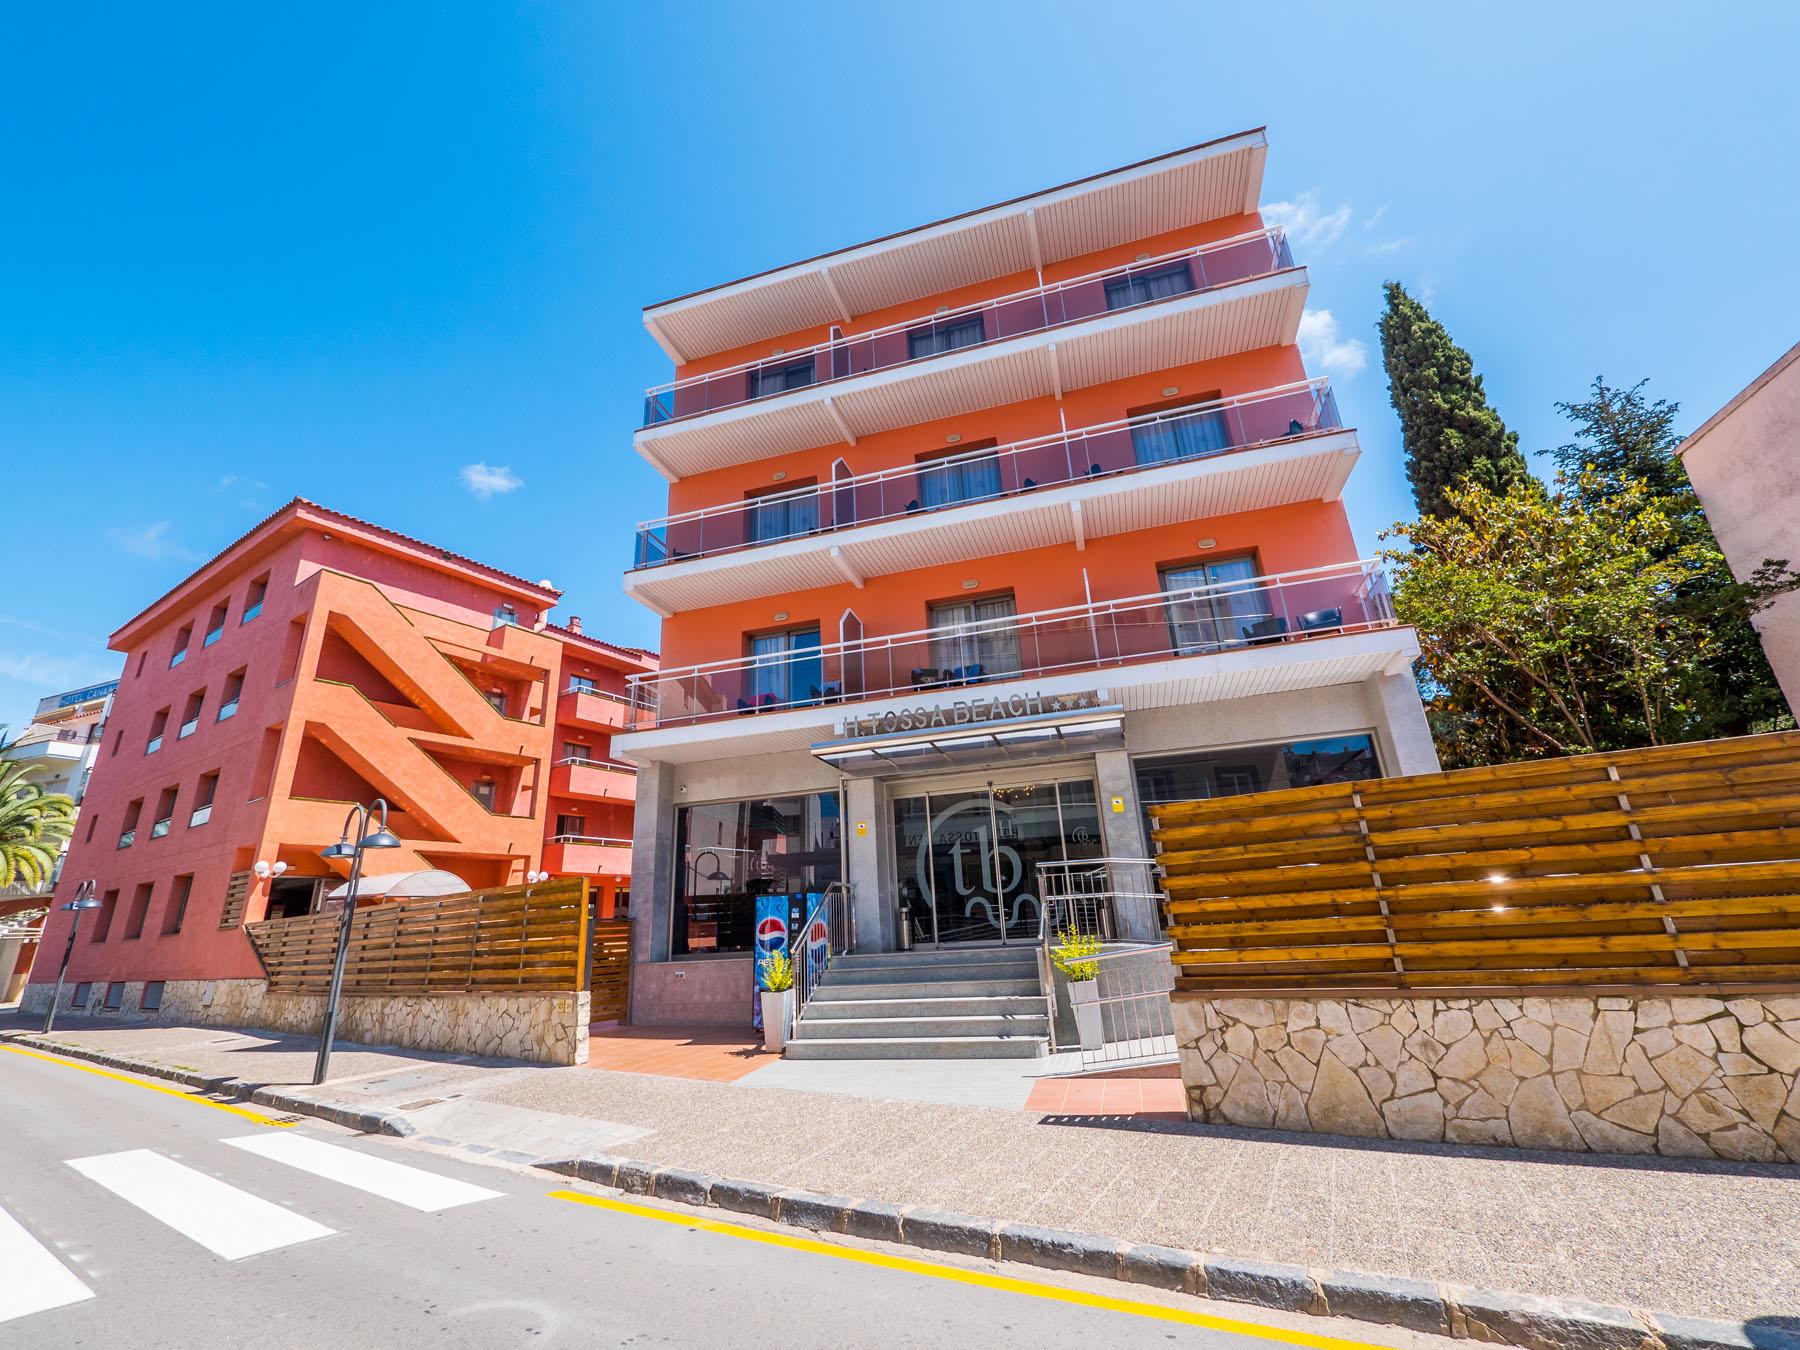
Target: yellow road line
<point>179,1093</point>
<point>979,1278</point>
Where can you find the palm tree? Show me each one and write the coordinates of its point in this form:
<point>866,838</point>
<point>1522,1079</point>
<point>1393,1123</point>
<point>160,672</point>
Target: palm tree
<point>34,825</point>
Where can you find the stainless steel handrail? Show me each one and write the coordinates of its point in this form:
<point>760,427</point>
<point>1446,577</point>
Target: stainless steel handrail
<point>835,912</point>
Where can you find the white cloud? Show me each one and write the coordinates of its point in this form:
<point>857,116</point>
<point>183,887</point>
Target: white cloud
<point>1306,221</point>
<point>50,673</point>
<point>1322,348</point>
<point>484,480</point>
<point>149,541</point>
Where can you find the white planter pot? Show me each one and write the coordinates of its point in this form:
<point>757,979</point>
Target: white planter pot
<point>778,1014</point>
<point>1084,999</point>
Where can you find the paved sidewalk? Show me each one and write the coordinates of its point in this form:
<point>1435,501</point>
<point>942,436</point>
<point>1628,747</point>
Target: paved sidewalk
<point>1700,1238</point>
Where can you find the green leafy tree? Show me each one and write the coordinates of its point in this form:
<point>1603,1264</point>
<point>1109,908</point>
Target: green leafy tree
<point>1452,435</point>
<point>34,824</point>
<point>1551,623</point>
<point>1622,439</point>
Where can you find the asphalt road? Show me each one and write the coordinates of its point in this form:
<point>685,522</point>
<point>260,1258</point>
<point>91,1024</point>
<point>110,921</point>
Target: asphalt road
<point>135,1215</point>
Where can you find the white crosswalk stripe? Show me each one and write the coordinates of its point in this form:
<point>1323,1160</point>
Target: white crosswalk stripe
<point>225,1220</point>
<point>411,1186</point>
<point>32,1279</point>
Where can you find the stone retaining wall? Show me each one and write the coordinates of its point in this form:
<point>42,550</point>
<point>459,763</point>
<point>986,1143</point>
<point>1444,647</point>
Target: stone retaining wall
<point>1686,1077</point>
<point>543,1028</point>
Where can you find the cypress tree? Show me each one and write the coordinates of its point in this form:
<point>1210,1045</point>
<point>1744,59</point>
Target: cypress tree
<point>1452,436</point>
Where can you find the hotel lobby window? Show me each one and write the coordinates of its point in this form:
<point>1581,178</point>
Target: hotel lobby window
<point>732,852</point>
<point>1199,774</point>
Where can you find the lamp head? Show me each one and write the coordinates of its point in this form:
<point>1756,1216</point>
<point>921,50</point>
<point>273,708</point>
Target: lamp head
<point>278,869</point>
<point>342,849</point>
<point>379,839</point>
<point>85,902</point>
<point>262,870</point>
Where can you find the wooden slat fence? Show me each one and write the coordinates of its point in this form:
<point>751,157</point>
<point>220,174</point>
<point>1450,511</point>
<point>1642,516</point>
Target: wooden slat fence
<point>514,939</point>
<point>1672,865</point>
<point>609,970</point>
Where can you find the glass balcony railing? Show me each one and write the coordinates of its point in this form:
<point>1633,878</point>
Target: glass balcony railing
<point>1195,432</point>
<point>1228,616</point>
<point>1184,272</point>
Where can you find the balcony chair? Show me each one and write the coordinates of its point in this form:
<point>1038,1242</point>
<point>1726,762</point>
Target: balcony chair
<point>912,506</point>
<point>1294,427</point>
<point>1321,618</point>
<point>1271,629</point>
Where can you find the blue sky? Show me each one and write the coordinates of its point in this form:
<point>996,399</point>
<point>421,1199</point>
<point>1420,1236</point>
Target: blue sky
<point>347,252</point>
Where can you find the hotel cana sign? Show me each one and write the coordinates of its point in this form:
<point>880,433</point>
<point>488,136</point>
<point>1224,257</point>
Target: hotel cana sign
<point>969,712</point>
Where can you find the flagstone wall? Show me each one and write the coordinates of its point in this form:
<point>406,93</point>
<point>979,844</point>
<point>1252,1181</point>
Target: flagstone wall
<point>1679,1076</point>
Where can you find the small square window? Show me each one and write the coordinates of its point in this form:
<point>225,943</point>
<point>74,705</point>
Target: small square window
<point>115,995</point>
<point>80,994</point>
<point>253,602</point>
<point>152,999</point>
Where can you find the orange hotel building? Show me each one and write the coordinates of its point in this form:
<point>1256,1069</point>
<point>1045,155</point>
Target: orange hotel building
<point>981,537</point>
<point>316,662</point>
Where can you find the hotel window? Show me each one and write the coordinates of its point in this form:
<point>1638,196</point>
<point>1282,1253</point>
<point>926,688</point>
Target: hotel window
<point>182,639</point>
<point>215,625</point>
<point>152,999</point>
<point>576,750</point>
<point>496,700</point>
<point>785,668</point>
<point>81,994</point>
<point>140,906</point>
<point>158,725</point>
<point>944,335</point>
<point>1153,283</point>
<point>179,891</point>
<point>1199,774</point>
<point>165,813</point>
<point>505,616</point>
<point>190,716</point>
<point>1185,431</point>
<point>571,827</point>
<point>973,640</point>
<point>203,799</point>
<point>970,475</point>
<point>103,917</point>
<point>253,600</point>
<point>778,379</point>
<point>733,852</point>
<point>784,513</point>
<point>115,995</point>
<point>581,684</point>
<point>1233,609</point>
<point>234,689</point>
<point>485,792</point>
<point>128,831</point>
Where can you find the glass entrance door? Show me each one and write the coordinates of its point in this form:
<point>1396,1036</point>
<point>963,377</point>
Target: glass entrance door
<point>967,860</point>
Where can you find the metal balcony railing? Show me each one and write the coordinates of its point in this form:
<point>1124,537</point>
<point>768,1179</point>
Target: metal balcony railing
<point>596,840</point>
<point>613,765</point>
<point>1257,611</point>
<point>1183,272</point>
<point>1088,454</point>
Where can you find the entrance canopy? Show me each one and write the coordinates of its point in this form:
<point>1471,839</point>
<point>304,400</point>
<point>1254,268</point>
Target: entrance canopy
<point>1015,740</point>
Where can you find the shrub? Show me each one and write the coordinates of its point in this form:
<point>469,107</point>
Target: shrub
<point>1074,955</point>
<point>778,973</point>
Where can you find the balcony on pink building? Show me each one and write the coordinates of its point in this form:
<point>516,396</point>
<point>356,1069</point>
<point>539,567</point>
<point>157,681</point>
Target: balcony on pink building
<point>1102,452</point>
<point>1183,272</point>
<point>1233,616</point>
<point>587,855</point>
<point>594,779</point>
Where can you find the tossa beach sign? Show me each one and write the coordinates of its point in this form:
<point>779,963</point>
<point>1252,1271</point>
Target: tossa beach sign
<point>969,712</point>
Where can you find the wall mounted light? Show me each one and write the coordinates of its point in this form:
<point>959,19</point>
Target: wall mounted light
<point>953,438</point>
<point>971,583</point>
<point>533,878</point>
<point>1143,257</point>
<point>779,475</point>
<point>1206,543</point>
<point>1171,391</point>
<point>781,616</point>
<point>779,351</point>
<point>265,870</point>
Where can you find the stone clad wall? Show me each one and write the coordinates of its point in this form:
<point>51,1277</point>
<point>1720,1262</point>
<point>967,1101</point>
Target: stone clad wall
<point>1686,1077</point>
<point>542,1028</point>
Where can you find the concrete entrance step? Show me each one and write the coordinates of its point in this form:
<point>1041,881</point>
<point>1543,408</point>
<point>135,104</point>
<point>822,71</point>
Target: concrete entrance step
<point>921,972</point>
<point>920,1047</point>
<point>938,956</point>
<point>829,992</point>
<point>908,1028</point>
<point>974,1005</point>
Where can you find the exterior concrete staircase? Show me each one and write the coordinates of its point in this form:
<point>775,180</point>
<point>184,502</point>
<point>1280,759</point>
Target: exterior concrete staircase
<point>934,1003</point>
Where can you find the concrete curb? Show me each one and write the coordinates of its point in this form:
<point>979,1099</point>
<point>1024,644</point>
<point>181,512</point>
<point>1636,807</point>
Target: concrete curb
<point>1493,1316</point>
<point>1420,1305</point>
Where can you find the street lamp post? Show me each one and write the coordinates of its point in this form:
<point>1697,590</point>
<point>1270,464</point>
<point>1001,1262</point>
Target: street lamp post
<point>359,817</point>
<point>84,899</point>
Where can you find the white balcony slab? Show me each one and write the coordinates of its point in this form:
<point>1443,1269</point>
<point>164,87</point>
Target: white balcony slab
<point>1250,672</point>
<point>1199,326</point>
<point>1312,468</point>
<point>1139,201</point>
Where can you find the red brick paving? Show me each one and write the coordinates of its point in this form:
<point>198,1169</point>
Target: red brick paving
<point>711,1054</point>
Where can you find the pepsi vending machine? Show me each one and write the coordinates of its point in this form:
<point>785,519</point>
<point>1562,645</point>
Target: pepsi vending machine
<point>780,920</point>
